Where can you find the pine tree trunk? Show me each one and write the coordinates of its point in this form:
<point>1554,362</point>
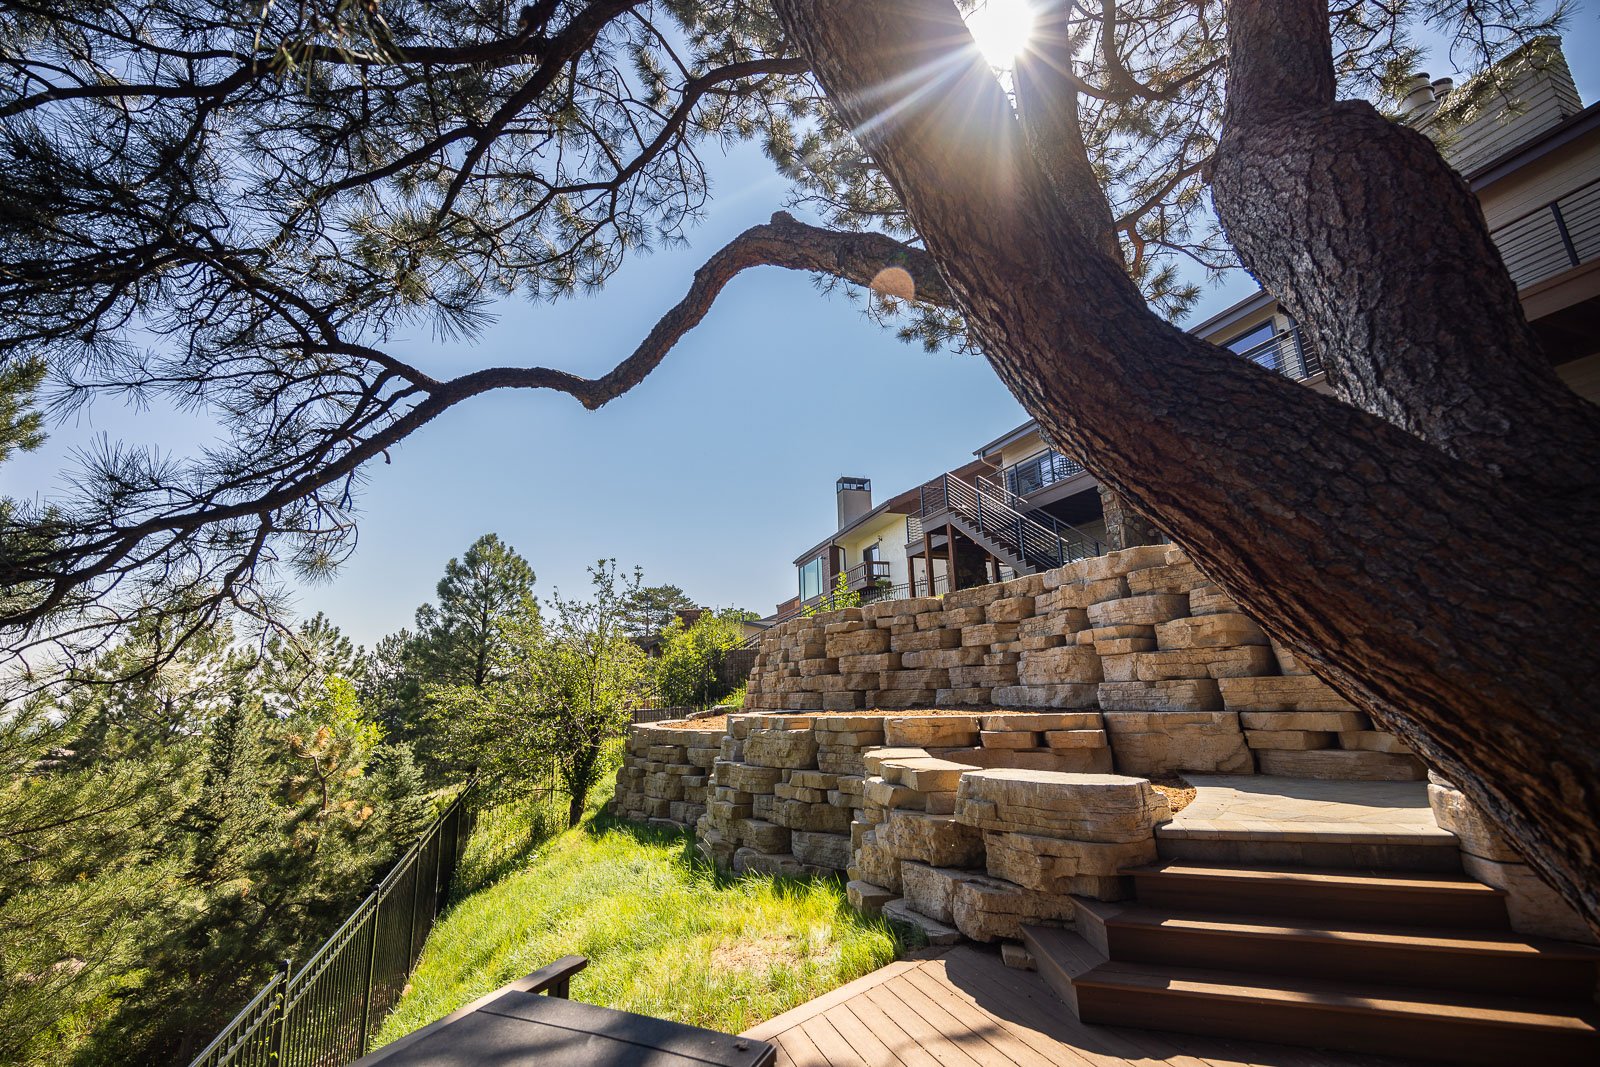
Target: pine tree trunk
<point>1415,577</point>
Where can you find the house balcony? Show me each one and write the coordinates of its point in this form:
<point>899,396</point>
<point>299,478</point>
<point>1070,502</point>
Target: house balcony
<point>868,574</point>
<point>1552,239</point>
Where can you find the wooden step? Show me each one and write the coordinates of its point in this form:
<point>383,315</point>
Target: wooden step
<point>1408,899</point>
<point>1324,845</point>
<point>1445,1025</point>
<point>1489,961</point>
<point>1061,956</point>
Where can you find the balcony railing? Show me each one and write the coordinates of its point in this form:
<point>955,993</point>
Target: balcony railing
<point>1038,471</point>
<point>1562,234</point>
<point>1286,354</point>
<point>867,574</point>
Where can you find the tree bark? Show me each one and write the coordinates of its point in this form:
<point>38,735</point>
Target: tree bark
<point>1381,252</point>
<point>1412,579</point>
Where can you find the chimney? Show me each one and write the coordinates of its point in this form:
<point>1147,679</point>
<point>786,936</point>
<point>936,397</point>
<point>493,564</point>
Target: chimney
<point>854,497</point>
<point>1442,87</point>
<point>1418,100</point>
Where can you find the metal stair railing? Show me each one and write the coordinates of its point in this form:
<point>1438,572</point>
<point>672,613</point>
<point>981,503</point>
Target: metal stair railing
<point>1038,540</point>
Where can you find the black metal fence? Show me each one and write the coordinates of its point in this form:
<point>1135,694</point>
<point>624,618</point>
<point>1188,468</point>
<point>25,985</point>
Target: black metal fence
<point>324,1014</point>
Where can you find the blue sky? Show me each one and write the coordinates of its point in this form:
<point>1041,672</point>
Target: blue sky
<point>712,474</point>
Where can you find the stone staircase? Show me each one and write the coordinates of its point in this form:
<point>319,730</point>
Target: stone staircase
<point>1406,963</point>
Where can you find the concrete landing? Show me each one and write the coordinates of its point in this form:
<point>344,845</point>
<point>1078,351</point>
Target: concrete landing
<point>1309,822</point>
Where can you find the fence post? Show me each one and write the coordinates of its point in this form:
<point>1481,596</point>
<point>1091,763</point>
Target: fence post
<point>280,1012</point>
<point>372,968</point>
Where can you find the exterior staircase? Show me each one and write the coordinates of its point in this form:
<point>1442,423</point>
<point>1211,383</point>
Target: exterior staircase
<point>1403,963</point>
<point>998,520</point>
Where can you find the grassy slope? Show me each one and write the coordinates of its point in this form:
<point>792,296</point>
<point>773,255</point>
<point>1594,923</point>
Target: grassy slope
<point>664,937</point>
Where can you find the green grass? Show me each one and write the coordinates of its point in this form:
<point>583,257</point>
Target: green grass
<point>664,936</point>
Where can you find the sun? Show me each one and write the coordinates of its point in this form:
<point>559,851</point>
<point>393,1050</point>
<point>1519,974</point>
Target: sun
<point>1001,29</point>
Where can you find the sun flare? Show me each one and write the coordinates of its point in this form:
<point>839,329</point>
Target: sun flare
<point>1001,29</point>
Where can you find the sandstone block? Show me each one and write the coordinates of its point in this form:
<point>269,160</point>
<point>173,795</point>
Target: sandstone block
<point>1083,807</point>
<point>876,864</point>
<point>1478,836</point>
<point>1290,740</point>
<point>874,758</point>
<point>900,699</point>
<point>994,909</point>
<point>822,818</point>
<point>1238,662</point>
<point>960,618</point>
<point>984,677</point>
<point>866,897</point>
<point>1059,868</point>
<point>944,731</point>
<point>1343,765</point>
<point>781,748</point>
<point>1168,578</point>
<point>1079,738</point>
<point>930,890</point>
<point>841,761</point>
<point>943,658</point>
<point>1017,957</point>
<point>1010,609</point>
<point>1102,591</point>
<point>937,840</point>
<point>1288,662</point>
<point>1221,630</point>
<point>1144,610</point>
<point>1009,739</point>
<point>1067,720</point>
<point>930,678</point>
<point>1300,693</point>
<point>870,664</point>
<point>1058,666</point>
<point>844,700</point>
<point>1332,721</point>
<point>925,641</point>
<point>988,633</point>
<point>1161,742</point>
<point>1209,600</point>
<point>965,695</point>
<point>822,850</point>
<point>860,643</point>
<point>1189,694</point>
<point>1119,668</point>
<point>1122,646</point>
<point>1069,695</point>
<point>1534,907</point>
<point>978,596</point>
<point>754,861</point>
<point>907,608</point>
<point>749,778</point>
<point>761,835</point>
<point>926,774</point>
<point>931,930</point>
<point>1123,561</point>
<point>1055,624</point>
<point>1372,741</point>
<point>1095,634</point>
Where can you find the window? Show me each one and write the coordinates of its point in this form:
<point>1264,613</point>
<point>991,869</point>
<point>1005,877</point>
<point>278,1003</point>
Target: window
<point>811,579</point>
<point>1247,344</point>
<point>871,552</point>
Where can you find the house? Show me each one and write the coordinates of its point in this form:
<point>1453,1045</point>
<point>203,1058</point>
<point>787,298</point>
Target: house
<point>1531,152</point>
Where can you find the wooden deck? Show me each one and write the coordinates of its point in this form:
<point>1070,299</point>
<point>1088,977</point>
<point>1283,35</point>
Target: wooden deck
<point>964,1008</point>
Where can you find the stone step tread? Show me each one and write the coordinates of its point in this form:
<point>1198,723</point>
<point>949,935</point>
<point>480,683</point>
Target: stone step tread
<point>1373,881</point>
<point>1443,940</point>
<point>1263,989</point>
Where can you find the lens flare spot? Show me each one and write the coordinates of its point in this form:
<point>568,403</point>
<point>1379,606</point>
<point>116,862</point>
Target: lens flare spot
<point>895,282</point>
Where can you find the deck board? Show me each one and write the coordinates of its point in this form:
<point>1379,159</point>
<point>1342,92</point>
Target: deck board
<point>963,1008</point>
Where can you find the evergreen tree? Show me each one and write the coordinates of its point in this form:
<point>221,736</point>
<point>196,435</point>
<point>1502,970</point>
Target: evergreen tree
<point>459,639</point>
<point>650,609</point>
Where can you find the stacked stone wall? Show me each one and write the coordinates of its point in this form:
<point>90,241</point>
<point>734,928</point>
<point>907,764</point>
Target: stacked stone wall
<point>1184,680</point>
